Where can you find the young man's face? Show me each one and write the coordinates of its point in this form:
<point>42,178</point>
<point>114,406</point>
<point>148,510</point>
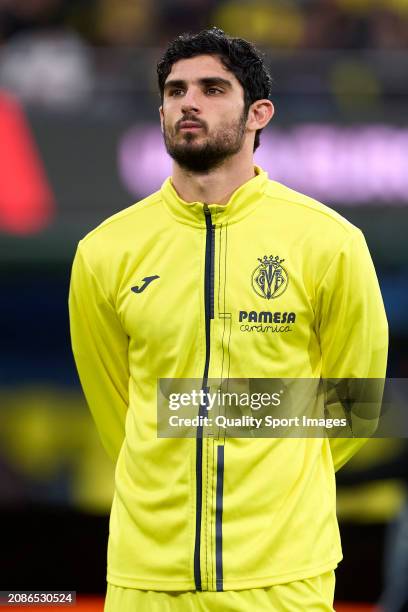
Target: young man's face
<point>202,116</point>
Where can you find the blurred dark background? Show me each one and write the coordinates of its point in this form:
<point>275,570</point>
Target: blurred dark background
<point>80,140</point>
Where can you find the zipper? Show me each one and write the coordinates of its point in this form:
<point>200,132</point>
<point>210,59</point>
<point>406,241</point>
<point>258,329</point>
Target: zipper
<point>218,519</point>
<point>209,314</point>
<point>209,281</point>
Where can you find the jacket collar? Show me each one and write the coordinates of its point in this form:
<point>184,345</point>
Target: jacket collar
<point>241,203</point>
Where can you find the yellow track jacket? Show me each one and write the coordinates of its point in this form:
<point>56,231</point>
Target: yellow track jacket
<point>170,289</point>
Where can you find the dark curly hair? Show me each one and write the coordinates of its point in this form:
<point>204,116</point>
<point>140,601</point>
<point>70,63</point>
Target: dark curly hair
<point>238,55</point>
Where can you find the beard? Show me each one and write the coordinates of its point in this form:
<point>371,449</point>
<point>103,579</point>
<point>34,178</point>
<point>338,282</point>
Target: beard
<point>211,152</point>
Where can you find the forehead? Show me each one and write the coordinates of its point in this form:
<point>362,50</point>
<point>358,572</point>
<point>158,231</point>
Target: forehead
<point>200,67</point>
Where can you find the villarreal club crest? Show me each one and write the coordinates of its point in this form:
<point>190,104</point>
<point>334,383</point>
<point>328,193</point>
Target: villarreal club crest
<point>270,279</point>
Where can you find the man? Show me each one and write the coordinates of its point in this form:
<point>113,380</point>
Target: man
<point>179,286</point>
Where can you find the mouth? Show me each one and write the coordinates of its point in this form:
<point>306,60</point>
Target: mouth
<point>190,126</point>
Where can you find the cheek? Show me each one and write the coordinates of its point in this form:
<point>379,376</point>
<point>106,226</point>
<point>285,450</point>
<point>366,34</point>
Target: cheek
<point>165,121</point>
<point>169,129</point>
<point>169,116</point>
<point>228,118</point>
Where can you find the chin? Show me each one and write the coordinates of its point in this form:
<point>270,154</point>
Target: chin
<point>190,137</point>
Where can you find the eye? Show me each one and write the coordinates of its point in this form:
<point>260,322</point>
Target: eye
<point>176,92</point>
<point>214,90</point>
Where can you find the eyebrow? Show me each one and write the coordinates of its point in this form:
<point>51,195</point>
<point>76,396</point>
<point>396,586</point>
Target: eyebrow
<point>204,81</point>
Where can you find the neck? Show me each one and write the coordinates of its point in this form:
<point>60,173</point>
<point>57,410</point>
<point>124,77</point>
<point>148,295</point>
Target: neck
<point>215,186</point>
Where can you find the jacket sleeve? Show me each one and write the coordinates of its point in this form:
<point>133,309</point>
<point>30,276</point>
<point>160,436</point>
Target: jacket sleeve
<point>100,348</point>
<point>353,334</point>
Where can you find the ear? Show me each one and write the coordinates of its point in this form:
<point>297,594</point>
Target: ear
<point>259,114</point>
<point>161,118</point>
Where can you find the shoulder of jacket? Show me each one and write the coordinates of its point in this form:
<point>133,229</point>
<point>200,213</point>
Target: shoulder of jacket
<point>322,213</point>
<point>115,223</point>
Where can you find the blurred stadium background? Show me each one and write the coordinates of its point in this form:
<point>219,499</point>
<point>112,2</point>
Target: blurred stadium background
<point>80,140</point>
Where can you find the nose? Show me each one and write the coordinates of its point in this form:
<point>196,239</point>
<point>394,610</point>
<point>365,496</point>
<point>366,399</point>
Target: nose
<point>190,102</point>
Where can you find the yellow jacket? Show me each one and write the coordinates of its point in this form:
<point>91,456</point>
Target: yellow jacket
<point>170,289</point>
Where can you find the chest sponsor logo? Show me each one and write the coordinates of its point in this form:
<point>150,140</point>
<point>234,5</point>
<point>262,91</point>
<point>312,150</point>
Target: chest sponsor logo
<point>266,321</point>
<point>270,279</point>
